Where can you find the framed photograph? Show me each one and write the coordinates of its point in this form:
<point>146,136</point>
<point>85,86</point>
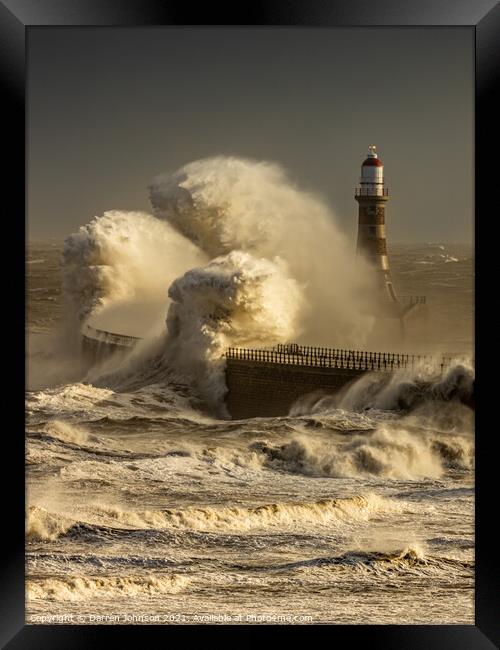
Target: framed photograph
<point>250,311</point>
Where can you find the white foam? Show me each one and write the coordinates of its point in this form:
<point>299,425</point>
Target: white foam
<point>123,262</point>
<point>236,300</point>
<point>224,204</point>
<point>389,452</point>
<point>78,588</point>
<point>281,515</point>
<point>42,525</point>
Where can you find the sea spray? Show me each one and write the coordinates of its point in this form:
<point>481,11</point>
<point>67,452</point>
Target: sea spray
<point>236,300</point>
<point>408,388</point>
<point>388,452</point>
<point>68,432</point>
<point>247,258</point>
<point>226,203</point>
<point>123,258</point>
<point>42,525</point>
<point>55,358</point>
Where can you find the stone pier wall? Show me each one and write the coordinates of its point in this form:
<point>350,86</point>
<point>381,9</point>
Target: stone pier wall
<point>257,388</point>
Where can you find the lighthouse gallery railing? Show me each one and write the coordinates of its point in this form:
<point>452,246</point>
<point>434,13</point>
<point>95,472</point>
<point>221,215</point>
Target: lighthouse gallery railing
<point>371,191</point>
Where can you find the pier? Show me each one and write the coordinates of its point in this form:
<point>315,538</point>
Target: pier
<point>267,382</point>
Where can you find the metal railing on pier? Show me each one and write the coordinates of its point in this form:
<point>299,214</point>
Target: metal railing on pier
<point>303,355</point>
<point>122,340</point>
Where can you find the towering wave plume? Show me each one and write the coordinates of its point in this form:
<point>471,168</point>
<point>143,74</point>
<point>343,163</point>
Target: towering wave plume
<point>225,203</point>
<point>236,299</point>
<point>250,260</point>
<point>119,266</point>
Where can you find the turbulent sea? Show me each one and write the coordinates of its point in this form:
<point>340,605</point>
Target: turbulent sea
<point>142,508</point>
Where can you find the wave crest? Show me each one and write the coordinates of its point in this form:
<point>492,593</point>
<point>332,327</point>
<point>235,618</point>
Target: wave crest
<point>389,451</point>
<point>214,519</point>
<point>42,525</point>
<point>85,588</point>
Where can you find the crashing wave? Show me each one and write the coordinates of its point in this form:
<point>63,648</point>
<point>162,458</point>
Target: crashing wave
<point>76,588</point>
<point>47,526</point>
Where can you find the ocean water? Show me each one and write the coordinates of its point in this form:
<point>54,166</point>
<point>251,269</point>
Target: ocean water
<point>143,508</point>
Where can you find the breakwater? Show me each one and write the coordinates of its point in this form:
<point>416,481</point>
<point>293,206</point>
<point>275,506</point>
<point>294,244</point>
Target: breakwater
<point>266,383</point>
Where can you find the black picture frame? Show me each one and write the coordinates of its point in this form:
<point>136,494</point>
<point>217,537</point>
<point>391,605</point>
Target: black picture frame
<point>17,17</point>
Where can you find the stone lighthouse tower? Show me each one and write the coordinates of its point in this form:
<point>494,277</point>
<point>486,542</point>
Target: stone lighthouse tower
<point>372,196</point>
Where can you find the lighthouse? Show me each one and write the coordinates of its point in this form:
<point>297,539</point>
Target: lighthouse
<point>372,196</point>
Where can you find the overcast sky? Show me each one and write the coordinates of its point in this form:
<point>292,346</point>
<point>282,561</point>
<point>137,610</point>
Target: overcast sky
<point>109,108</point>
